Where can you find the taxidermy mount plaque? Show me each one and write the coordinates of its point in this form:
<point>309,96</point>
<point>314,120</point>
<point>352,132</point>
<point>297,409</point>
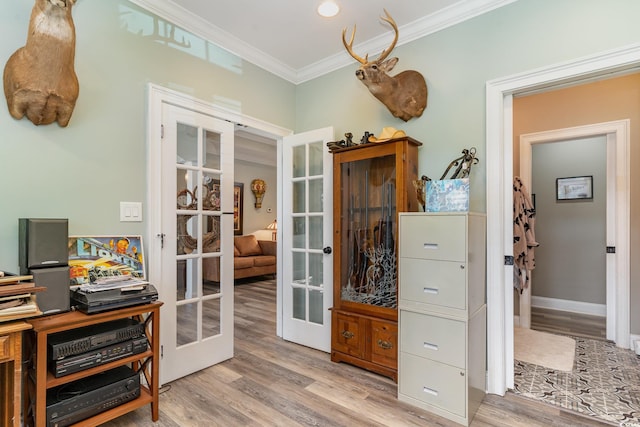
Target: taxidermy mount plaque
<point>405,94</point>
<point>39,78</point>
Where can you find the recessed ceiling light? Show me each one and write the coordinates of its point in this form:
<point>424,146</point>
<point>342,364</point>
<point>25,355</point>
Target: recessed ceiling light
<point>328,9</point>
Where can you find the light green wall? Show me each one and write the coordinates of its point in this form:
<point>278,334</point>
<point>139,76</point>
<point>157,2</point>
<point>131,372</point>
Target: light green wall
<point>457,62</point>
<point>83,171</point>
<point>256,219</point>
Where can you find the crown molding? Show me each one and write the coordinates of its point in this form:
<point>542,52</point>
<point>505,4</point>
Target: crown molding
<point>452,15</point>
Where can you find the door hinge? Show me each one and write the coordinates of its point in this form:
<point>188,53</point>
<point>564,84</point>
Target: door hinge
<point>508,260</point>
<point>161,236</point>
<point>161,351</point>
<point>161,131</point>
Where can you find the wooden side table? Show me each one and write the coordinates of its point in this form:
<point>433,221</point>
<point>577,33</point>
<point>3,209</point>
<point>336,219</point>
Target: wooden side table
<point>11,371</point>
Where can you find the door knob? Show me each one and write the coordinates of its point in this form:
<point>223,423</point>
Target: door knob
<point>327,250</point>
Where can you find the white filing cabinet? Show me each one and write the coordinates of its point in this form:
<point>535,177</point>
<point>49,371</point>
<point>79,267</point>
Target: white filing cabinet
<point>443,312</point>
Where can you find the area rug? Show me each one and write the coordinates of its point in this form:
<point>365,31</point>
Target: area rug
<point>544,349</point>
<point>605,383</point>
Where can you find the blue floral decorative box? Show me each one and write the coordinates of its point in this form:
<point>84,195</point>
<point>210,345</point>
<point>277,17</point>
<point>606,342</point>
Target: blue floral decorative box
<point>448,195</point>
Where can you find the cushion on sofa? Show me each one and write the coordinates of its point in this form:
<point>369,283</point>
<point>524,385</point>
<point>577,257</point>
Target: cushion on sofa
<point>247,245</point>
<point>264,260</point>
<point>242,262</point>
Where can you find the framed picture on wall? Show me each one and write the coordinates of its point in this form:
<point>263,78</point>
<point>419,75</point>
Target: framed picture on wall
<point>238,202</point>
<point>574,188</point>
<point>213,202</point>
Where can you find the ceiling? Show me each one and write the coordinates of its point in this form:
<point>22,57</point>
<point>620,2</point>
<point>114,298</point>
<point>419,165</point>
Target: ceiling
<point>289,38</point>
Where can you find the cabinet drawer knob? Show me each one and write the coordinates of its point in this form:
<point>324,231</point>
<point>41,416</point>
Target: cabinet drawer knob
<point>347,334</point>
<point>385,344</point>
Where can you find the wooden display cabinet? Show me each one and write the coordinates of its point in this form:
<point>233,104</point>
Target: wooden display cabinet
<point>372,183</point>
<point>39,380</point>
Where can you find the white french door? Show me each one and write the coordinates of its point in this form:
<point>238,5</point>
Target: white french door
<point>197,234</point>
<point>307,224</point>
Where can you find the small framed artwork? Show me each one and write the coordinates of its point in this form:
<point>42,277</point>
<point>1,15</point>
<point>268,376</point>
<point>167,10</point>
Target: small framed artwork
<point>238,205</point>
<point>212,202</point>
<point>574,188</point>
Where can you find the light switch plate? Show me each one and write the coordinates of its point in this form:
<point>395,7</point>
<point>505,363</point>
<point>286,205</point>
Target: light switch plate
<point>130,212</point>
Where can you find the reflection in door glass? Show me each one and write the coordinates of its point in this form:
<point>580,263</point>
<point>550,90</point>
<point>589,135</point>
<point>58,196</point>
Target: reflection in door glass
<point>187,226</point>
<point>211,317</point>
<point>186,328</point>
<point>315,232</point>
<point>299,232</point>
<point>316,311</point>
<point>315,195</point>
<point>187,279</point>
<point>211,150</point>
<point>299,165</point>
<point>210,234</point>
<point>315,158</point>
<point>299,199</point>
<point>299,303</point>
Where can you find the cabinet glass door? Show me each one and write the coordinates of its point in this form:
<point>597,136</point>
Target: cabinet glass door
<point>368,201</point>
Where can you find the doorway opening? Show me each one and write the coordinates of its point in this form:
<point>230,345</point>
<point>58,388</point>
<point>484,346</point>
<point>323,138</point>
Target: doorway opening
<point>616,135</point>
<point>499,121</point>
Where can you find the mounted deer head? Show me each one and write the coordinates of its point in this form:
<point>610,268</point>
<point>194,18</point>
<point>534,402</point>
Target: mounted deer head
<point>39,78</point>
<point>405,94</point>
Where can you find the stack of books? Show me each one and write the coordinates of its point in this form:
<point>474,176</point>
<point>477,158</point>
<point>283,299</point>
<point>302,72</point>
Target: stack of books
<point>17,298</point>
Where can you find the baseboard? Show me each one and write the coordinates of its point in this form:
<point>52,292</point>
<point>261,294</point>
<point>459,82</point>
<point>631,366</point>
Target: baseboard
<point>571,306</point>
<point>632,343</point>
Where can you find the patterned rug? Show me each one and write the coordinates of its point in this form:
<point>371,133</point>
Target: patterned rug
<point>604,382</point>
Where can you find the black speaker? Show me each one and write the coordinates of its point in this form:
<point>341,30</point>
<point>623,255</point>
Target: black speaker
<point>58,294</point>
<point>42,243</point>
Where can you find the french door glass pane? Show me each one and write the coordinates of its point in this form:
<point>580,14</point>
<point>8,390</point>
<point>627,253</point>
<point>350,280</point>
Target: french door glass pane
<point>299,161</point>
<point>186,329</point>
<point>299,232</point>
<point>315,158</point>
<point>315,195</point>
<point>315,232</point>
<point>211,318</point>
<point>299,197</point>
<point>299,303</point>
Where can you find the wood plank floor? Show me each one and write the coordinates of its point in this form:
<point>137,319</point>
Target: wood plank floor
<point>271,382</point>
<point>567,323</point>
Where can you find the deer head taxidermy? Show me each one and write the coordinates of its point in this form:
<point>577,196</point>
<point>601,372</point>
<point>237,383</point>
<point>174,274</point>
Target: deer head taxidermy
<point>405,94</point>
<point>39,78</point>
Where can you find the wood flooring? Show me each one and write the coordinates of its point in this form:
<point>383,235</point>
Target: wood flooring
<point>567,323</point>
<point>271,382</point>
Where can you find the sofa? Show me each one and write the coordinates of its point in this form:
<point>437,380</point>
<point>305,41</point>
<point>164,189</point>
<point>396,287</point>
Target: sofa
<point>251,257</point>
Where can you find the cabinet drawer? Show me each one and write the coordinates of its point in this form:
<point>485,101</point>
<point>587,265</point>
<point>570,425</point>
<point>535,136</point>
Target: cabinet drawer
<point>436,338</point>
<point>437,237</point>
<point>348,334</point>
<point>434,383</point>
<point>384,343</point>
<point>5,346</point>
<point>433,282</point>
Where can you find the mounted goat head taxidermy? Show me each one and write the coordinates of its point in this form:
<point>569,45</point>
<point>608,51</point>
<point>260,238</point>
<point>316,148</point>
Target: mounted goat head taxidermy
<point>39,78</point>
<point>405,94</point>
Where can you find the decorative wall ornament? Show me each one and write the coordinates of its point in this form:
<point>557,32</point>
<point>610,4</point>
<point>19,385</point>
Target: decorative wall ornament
<point>39,78</point>
<point>405,95</point>
<point>258,187</point>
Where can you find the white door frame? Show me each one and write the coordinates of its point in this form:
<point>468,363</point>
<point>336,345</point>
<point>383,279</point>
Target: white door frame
<point>617,134</point>
<point>156,96</point>
<point>499,144</point>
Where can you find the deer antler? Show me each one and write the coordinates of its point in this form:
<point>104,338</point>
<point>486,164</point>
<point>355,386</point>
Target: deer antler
<point>388,50</point>
<point>349,46</point>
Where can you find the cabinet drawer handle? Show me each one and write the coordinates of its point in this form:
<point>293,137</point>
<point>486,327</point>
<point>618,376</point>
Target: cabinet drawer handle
<point>347,334</point>
<point>430,346</point>
<point>430,246</point>
<point>432,291</point>
<point>385,344</point>
<point>430,391</point>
